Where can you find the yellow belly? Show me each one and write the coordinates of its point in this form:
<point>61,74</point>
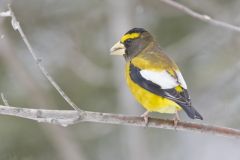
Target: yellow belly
<point>151,102</point>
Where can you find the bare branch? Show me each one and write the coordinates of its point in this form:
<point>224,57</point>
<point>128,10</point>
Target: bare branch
<point>69,117</point>
<point>16,26</point>
<point>5,102</point>
<point>201,17</point>
<point>5,14</point>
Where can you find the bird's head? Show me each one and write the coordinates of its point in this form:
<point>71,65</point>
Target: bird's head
<point>132,43</point>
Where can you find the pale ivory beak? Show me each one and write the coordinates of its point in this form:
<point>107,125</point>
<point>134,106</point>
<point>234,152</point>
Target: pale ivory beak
<point>117,49</point>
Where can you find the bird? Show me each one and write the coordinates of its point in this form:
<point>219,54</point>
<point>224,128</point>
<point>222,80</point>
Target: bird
<point>152,76</point>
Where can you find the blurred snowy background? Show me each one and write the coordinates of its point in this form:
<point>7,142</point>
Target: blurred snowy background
<point>73,39</point>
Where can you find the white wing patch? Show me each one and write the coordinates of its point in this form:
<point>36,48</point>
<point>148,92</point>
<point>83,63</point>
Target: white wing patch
<point>164,79</point>
<point>181,80</point>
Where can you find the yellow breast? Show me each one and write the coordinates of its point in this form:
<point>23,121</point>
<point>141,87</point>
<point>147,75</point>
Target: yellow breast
<point>148,100</point>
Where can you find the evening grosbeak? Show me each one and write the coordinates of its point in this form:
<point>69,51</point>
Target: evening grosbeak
<point>153,78</point>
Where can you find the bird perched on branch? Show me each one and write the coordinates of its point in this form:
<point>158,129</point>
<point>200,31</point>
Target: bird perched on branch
<point>153,78</point>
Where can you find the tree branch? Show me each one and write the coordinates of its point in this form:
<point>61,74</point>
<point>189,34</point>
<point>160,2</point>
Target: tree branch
<point>16,26</point>
<point>70,117</point>
<point>202,17</point>
<point>5,102</point>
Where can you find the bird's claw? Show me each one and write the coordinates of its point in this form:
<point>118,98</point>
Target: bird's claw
<point>145,117</point>
<point>176,120</point>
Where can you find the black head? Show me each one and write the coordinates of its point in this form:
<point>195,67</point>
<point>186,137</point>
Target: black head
<point>132,43</point>
<point>135,40</point>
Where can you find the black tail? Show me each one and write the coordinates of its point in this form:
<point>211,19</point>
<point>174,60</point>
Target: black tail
<point>191,112</point>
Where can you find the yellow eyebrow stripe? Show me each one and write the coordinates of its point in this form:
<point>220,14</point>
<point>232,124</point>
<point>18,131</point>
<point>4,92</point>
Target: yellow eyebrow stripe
<point>129,36</point>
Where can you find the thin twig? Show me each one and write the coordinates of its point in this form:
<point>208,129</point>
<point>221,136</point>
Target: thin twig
<point>5,14</point>
<point>16,26</point>
<point>68,117</point>
<point>201,17</point>
<point>5,102</point>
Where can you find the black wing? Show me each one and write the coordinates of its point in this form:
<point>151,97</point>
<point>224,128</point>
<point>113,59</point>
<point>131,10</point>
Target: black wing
<point>181,98</point>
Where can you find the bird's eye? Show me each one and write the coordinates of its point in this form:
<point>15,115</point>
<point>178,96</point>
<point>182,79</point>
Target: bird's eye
<point>128,41</point>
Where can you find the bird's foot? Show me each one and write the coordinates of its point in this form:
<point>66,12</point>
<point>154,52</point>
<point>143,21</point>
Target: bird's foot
<point>176,119</point>
<point>145,117</point>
